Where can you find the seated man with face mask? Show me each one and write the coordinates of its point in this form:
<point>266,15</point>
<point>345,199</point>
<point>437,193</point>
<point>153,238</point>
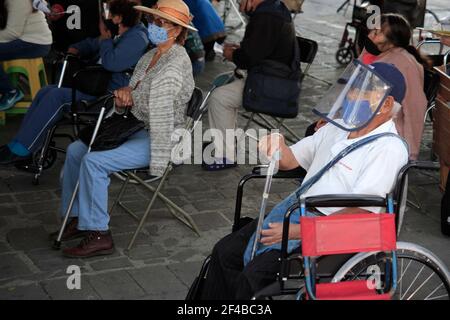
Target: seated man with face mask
<point>358,108</point>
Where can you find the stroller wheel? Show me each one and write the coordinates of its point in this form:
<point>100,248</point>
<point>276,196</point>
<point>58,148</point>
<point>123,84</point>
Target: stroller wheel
<point>344,55</point>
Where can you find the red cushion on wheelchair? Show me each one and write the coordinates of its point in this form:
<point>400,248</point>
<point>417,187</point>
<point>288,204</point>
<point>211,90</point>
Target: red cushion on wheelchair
<point>347,233</point>
<point>348,290</point>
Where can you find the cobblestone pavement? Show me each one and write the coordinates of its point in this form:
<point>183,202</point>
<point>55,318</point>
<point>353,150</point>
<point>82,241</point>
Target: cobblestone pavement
<point>168,255</point>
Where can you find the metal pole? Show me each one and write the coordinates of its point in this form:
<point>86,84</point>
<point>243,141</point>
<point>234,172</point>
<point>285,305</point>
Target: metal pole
<point>235,8</point>
<point>57,243</point>
<point>62,73</point>
<point>275,158</point>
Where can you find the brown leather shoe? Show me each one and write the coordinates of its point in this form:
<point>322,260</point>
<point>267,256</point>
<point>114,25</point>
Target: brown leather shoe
<point>95,243</point>
<point>70,232</point>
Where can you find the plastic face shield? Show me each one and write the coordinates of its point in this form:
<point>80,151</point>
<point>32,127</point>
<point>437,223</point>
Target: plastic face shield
<point>354,100</point>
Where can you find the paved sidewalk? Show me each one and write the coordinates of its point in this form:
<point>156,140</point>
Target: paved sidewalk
<point>168,255</point>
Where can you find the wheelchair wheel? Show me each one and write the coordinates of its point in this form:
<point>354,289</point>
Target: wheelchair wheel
<point>420,275</point>
<point>49,159</point>
<point>344,56</point>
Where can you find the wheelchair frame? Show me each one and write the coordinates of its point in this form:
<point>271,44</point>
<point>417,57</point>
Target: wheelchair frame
<point>47,155</point>
<point>282,285</point>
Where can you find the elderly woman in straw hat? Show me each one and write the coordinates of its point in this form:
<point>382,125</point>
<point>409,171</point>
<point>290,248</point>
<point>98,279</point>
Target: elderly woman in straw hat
<point>158,93</point>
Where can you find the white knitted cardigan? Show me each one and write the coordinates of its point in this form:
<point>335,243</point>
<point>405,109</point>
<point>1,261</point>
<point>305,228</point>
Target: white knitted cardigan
<point>160,100</point>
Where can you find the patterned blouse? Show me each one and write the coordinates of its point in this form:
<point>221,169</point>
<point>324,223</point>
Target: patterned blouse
<point>160,99</point>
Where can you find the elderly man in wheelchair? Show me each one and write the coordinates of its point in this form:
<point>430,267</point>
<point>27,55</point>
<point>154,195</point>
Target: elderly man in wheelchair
<point>357,152</point>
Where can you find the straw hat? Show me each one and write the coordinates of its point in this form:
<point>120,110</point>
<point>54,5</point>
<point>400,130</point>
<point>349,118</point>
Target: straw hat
<point>175,11</point>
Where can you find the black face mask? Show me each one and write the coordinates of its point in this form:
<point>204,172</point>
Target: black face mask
<point>371,47</point>
<point>113,28</point>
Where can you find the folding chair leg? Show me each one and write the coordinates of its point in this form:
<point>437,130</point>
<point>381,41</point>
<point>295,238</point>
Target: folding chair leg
<point>289,130</point>
<point>156,193</point>
<point>119,197</point>
<point>268,123</point>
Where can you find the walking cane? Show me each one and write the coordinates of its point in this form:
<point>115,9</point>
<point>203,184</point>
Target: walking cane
<point>270,170</point>
<point>57,243</point>
<point>63,71</point>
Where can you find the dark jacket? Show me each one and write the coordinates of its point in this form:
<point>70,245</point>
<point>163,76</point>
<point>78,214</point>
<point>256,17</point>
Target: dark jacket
<point>118,55</point>
<point>270,35</point>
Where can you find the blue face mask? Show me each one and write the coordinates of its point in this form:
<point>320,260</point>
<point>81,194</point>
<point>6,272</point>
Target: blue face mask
<point>157,35</point>
<point>362,115</point>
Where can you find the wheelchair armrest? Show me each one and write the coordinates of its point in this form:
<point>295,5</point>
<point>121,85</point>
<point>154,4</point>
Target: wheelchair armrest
<point>345,200</point>
<point>89,69</point>
<point>93,106</point>
<point>296,173</point>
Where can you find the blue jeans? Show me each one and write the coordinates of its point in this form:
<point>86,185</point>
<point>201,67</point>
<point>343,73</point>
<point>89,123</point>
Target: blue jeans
<point>45,111</point>
<point>18,49</point>
<point>93,170</point>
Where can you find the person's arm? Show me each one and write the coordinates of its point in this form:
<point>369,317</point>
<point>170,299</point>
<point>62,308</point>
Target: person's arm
<point>271,143</point>
<point>87,47</point>
<point>123,55</point>
<point>261,37</point>
<point>18,12</point>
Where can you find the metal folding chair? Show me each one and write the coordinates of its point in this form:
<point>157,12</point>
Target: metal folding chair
<point>308,51</point>
<point>194,112</point>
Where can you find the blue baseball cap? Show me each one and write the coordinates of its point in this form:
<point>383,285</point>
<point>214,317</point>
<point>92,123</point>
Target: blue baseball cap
<point>392,76</point>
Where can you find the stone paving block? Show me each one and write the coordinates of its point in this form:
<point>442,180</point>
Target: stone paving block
<point>58,290</point>
<point>49,219</point>
<point>43,206</point>
<point>110,264</point>
<point>4,247</point>
<point>122,240</point>
<point>26,197</point>
<point>210,220</point>
<point>50,260</point>
<point>186,271</point>
<point>28,238</point>
<point>8,209</point>
<point>157,280</point>
<point>11,265</point>
<point>29,292</point>
<point>116,285</point>
<point>185,255</point>
<point>206,205</point>
<point>145,252</point>
<point>6,199</point>
<point>3,223</point>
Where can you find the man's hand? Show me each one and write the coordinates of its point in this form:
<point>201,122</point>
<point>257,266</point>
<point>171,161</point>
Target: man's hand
<point>274,234</point>
<point>271,143</point>
<point>228,50</point>
<point>123,97</point>
<point>73,51</point>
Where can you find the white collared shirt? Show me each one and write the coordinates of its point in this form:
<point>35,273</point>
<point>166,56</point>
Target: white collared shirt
<point>371,169</point>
